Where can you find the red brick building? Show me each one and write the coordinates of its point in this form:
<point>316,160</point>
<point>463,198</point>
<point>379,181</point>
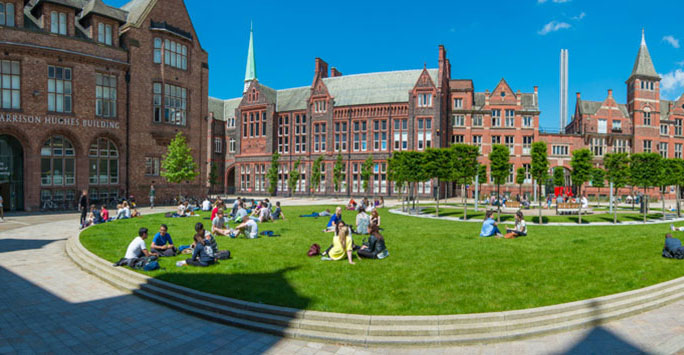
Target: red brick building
<point>378,113</point>
<point>92,94</point>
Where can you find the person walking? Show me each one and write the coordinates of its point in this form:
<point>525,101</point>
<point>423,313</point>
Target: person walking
<point>152,192</point>
<point>83,207</point>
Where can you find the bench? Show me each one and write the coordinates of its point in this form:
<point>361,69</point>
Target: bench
<point>511,206</point>
<point>571,208</point>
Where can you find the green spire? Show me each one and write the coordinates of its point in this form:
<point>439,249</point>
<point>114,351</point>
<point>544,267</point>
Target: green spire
<point>250,71</point>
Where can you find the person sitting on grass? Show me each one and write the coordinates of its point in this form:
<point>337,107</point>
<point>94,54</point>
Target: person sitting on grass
<point>520,229</point>
<point>162,243</point>
<point>182,210</point>
<point>278,212</point>
<point>674,247</point>
<point>104,214</point>
<point>218,225</point>
<point>236,204</point>
<point>334,220</point>
<point>351,205</point>
<point>137,249</point>
<point>375,247</point>
<point>204,252</point>
<point>241,212</point>
<point>264,213</point>
<point>206,204</point>
<point>342,244</point>
<point>362,221</point>
<point>489,227</point>
<point>375,219</point>
<point>249,228</point>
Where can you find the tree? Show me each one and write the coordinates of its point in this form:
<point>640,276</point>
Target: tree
<point>213,174</point>
<point>598,177</point>
<point>437,165</point>
<point>464,167</point>
<point>581,171</point>
<point>414,171</point>
<point>559,176</point>
<point>520,178</point>
<point>540,169</point>
<point>338,169</point>
<point>645,172</point>
<point>177,164</point>
<point>481,176</point>
<point>293,179</point>
<point>500,169</point>
<point>395,172</point>
<point>617,172</point>
<point>668,177</point>
<point>316,173</point>
<point>272,174</point>
<point>367,172</point>
<point>679,182</point>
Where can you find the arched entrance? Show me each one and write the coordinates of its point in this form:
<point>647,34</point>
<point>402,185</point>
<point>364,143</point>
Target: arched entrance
<point>11,173</point>
<point>230,181</point>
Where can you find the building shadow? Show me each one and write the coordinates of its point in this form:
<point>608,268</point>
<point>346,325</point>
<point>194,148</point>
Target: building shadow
<point>10,245</point>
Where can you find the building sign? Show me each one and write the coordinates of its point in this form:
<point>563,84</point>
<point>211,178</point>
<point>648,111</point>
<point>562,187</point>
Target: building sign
<point>7,117</point>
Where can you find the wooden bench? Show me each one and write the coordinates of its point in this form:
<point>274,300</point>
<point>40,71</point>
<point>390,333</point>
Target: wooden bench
<point>511,206</point>
<point>571,208</point>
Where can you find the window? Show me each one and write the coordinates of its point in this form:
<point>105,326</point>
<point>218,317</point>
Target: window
<point>320,106</point>
<point>510,178</point>
<point>379,135</point>
<point>602,126</point>
<point>510,143</point>
<point>401,134</point>
<point>503,93</point>
<point>559,150</point>
<point>527,144</point>
<point>57,163</point>
<point>251,124</point>
<point>356,178</point>
<point>263,124</point>
<point>617,126</point>
<point>218,145</point>
<point>319,137</point>
<point>260,177</point>
<point>105,95</point>
<point>424,100</point>
<point>662,149</point>
<point>496,118</point>
<point>10,82</point>
<point>621,146</point>
<point>232,145</point>
<point>340,136</point>
<point>59,89</point>
<point>175,54</point>
<point>459,121</point>
<point>458,103</point>
<point>647,118</point>
<point>496,139</point>
<point>457,138</point>
<point>104,33</point>
<point>477,140</point>
<point>510,118</point>
<point>647,146</point>
<point>300,133</point>
<point>103,162</point>
<point>597,146</point>
<point>678,150</point>
<point>664,129</point>
<point>58,22</point>
<point>647,85</point>
<point>321,184</point>
<point>528,173</point>
<point>678,127</point>
<point>527,121</point>
<point>230,122</point>
<point>424,133</point>
<point>7,14</point>
<point>477,120</point>
<point>175,104</point>
<point>284,134</point>
<point>152,166</point>
<point>245,177</point>
<point>360,136</point>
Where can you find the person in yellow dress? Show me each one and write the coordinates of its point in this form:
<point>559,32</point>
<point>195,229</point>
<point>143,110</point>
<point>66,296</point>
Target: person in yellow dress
<point>342,244</point>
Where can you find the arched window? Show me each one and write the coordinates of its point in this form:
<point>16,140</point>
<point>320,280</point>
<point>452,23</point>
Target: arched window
<point>58,162</point>
<point>103,162</point>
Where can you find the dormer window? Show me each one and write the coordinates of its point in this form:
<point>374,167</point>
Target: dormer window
<point>424,100</point>
<point>320,106</point>
<point>253,96</point>
<point>6,14</point>
<point>104,34</point>
<point>58,22</point>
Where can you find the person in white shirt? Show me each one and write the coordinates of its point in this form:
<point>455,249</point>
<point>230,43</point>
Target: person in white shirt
<point>264,214</point>
<point>206,205</point>
<point>127,210</point>
<point>137,248</point>
<point>520,229</point>
<point>181,209</point>
<point>585,202</point>
<point>249,228</point>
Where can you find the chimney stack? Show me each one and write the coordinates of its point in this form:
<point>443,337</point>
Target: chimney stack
<point>334,72</point>
<point>610,92</point>
<point>536,89</point>
<point>578,95</point>
<point>321,68</point>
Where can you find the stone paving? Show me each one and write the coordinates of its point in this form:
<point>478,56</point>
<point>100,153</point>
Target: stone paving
<point>48,304</point>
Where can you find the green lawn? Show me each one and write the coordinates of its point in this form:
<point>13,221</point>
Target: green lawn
<point>434,267</point>
<point>532,216</point>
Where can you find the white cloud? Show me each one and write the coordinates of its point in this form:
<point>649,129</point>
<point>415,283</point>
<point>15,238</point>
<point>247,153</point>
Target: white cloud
<point>553,26</point>
<point>580,16</point>
<point>671,40</point>
<point>672,82</point>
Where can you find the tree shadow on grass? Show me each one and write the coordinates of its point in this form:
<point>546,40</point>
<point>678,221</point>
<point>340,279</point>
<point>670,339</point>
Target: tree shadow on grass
<point>575,219</point>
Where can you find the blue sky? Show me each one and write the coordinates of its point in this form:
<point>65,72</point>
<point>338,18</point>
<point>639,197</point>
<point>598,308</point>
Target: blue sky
<point>485,40</point>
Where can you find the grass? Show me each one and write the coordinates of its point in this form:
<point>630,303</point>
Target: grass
<point>434,267</point>
<point>533,216</point>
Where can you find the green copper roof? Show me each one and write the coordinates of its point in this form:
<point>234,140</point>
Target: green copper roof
<point>643,66</point>
<point>250,71</point>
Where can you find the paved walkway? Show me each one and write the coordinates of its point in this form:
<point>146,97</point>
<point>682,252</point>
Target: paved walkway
<point>48,304</point>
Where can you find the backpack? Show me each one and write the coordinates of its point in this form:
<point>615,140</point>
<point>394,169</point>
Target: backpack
<point>152,265</point>
<point>314,250</point>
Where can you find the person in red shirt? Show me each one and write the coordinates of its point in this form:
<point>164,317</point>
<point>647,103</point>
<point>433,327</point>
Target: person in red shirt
<point>104,214</point>
<point>215,209</point>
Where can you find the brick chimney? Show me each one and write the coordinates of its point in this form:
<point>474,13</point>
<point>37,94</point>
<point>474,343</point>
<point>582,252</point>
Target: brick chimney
<point>578,95</point>
<point>610,93</point>
<point>536,89</point>
<point>334,72</point>
<point>321,68</point>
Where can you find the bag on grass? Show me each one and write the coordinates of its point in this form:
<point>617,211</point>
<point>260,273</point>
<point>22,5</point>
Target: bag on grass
<point>152,265</point>
<point>314,250</point>
<point>223,255</point>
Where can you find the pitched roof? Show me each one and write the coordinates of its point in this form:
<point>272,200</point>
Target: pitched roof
<point>293,99</point>
<point>136,9</point>
<point>374,88</point>
<point>461,84</point>
<point>100,8</point>
<point>216,106</point>
<point>591,107</point>
<point>665,109</point>
<point>643,65</point>
<point>229,107</point>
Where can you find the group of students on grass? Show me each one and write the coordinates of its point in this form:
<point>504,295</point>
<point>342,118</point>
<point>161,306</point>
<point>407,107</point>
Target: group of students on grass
<point>343,243</point>
<point>123,211</point>
<point>491,229</point>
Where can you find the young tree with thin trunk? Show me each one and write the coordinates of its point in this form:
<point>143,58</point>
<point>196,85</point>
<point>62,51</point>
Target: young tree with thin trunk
<point>520,178</point>
<point>540,170</point>
<point>500,169</point>
<point>645,172</point>
<point>293,179</point>
<point>395,173</point>
<point>338,169</point>
<point>679,182</point>
<point>414,171</point>
<point>668,170</point>
<point>598,177</point>
<point>464,167</point>
<point>177,163</point>
<point>437,165</point>
<point>581,172</point>
<point>481,177</point>
<point>316,174</point>
<point>272,174</point>
<point>617,171</point>
<point>367,172</point>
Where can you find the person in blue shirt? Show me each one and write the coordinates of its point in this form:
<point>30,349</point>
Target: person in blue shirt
<point>162,243</point>
<point>334,220</point>
<point>489,227</point>
<point>673,245</point>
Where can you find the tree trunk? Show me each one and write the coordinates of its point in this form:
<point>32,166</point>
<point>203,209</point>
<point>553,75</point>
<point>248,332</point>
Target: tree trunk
<point>633,197</point>
<point>465,204</point>
<point>662,197</point>
<point>540,203</point>
<point>437,209</point>
<point>643,201</point>
<point>614,207</point>
<point>679,214</point>
<point>579,193</point>
<point>498,203</point>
